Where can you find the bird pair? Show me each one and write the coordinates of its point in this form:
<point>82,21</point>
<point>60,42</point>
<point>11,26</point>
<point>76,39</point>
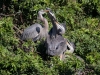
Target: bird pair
<point>56,45</point>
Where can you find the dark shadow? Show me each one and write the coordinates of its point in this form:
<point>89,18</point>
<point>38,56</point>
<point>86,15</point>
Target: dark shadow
<point>41,50</point>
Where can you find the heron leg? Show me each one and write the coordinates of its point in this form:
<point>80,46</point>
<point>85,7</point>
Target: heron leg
<point>62,56</point>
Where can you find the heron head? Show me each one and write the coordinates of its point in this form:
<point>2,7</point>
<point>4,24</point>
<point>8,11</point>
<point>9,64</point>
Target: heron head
<point>50,13</point>
<point>40,14</point>
<point>45,10</point>
<point>42,11</point>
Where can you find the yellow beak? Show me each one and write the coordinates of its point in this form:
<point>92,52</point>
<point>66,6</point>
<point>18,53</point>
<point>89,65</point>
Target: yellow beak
<point>56,22</point>
<point>46,10</point>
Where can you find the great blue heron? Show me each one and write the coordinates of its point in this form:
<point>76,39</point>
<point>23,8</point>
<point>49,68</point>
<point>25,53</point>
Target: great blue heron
<point>61,27</point>
<point>37,31</point>
<point>57,45</point>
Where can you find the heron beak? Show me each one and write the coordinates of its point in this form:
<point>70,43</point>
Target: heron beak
<point>67,43</point>
<point>56,22</point>
<point>46,11</point>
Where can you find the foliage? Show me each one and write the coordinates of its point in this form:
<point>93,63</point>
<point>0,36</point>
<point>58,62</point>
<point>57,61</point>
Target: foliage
<point>25,57</point>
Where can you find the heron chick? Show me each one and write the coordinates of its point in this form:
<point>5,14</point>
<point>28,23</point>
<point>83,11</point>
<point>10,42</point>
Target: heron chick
<point>57,46</point>
<point>61,27</point>
<point>37,31</point>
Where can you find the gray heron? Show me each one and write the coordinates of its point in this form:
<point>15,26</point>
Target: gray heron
<point>57,46</point>
<point>37,31</point>
<point>61,27</point>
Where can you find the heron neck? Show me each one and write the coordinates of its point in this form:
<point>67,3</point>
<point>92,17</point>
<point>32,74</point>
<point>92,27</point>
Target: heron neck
<point>45,24</point>
<point>54,26</point>
<point>44,20</point>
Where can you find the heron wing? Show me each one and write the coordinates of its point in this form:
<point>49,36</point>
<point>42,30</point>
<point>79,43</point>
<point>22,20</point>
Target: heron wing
<point>31,32</point>
<point>70,46</point>
<point>61,29</point>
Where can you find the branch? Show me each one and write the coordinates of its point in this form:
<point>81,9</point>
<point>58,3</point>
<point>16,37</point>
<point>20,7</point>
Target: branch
<point>18,29</point>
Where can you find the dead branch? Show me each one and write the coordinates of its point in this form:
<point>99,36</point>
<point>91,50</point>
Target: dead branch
<point>18,29</point>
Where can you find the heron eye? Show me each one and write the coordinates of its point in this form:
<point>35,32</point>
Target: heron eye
<point>57,47</point>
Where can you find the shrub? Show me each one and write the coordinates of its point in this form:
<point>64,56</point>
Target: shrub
<point>25,57</point>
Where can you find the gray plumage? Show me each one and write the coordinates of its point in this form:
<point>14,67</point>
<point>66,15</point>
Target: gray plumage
<point>36,31</point>
<point>32,32</point>
<point>55,45</point>
<point>61,27</point>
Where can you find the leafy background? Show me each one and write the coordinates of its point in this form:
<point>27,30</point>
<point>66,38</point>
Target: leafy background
<point>19,57</point>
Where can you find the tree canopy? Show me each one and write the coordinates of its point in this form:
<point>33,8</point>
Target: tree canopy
<point>19,57</point>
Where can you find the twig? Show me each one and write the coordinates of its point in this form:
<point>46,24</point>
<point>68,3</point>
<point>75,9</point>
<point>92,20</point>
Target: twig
<point>19,32</point>
<point>18,29</point>
<point>4,15</point>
